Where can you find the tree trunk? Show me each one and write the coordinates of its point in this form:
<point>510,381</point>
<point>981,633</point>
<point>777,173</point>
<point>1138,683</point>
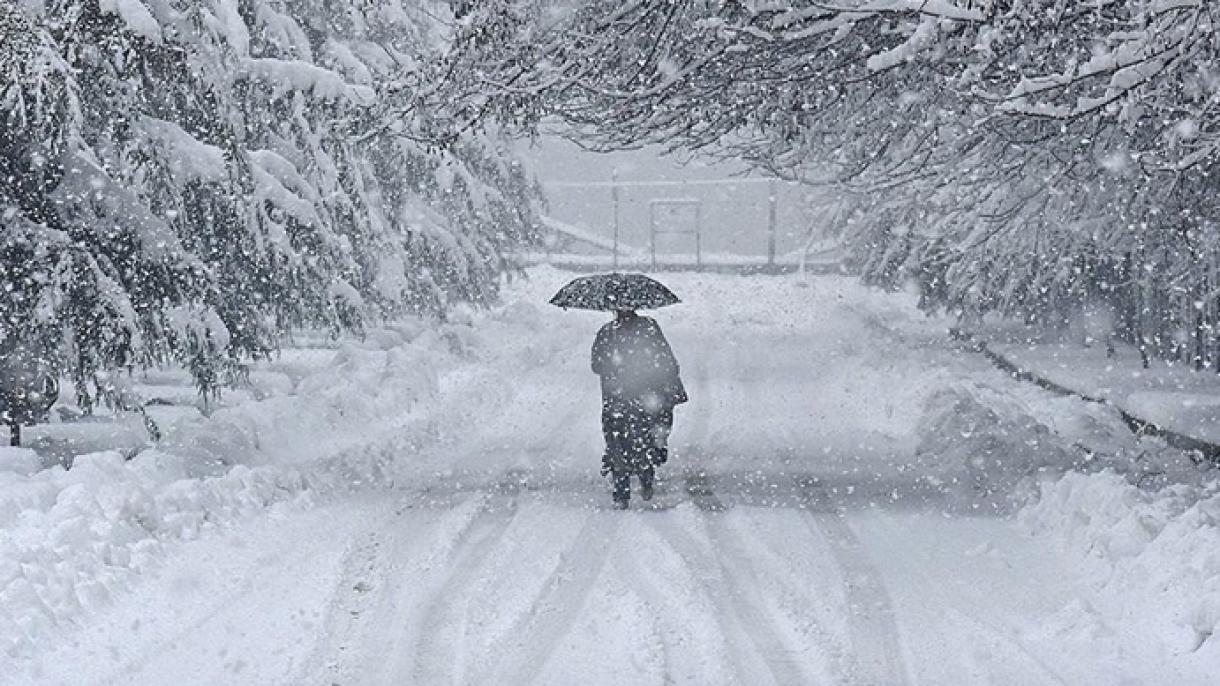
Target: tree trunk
<point>1199,344</point>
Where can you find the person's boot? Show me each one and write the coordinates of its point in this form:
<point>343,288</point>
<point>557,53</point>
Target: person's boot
<point>646,484</point>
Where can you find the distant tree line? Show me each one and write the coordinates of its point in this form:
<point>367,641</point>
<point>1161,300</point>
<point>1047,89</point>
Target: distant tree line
<point>1023,157</point>
<point>186,180</point>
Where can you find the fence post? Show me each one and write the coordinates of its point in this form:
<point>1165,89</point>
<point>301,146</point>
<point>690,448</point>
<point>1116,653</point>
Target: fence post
<point>614,194</point>
<point>773,198</point>
<point>699,237</point>
<point>652,232</point>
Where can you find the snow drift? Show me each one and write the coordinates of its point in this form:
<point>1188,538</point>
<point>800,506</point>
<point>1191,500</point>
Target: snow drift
<point>1154,557</point>
<point>71,540</point>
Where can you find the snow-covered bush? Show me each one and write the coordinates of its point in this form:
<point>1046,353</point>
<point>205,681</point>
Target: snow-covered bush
<point>184,181</point>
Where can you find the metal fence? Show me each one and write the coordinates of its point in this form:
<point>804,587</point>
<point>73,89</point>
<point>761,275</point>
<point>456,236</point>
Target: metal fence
<point>696,223</point>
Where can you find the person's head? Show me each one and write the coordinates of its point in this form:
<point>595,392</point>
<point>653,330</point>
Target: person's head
<point>624,314</point>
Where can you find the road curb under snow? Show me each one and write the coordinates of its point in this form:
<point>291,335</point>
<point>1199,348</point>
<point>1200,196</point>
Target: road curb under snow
<point>1138,425</point>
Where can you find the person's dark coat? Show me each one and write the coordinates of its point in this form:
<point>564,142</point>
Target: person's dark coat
<point>636,364</point>
<point>641,384</point>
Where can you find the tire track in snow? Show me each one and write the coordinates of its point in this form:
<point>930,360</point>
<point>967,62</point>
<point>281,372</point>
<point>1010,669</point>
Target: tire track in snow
<point>1018,649</point>
<point>994,651</point>
<point>792,594</point>
<point>437,655</point>
<point>874,632</point>
<point>360,586</point>
<point>746,623</point>
<point>364,620</point>
<point>538,633</point>
<point>738,608</point>
<point>630,569</point>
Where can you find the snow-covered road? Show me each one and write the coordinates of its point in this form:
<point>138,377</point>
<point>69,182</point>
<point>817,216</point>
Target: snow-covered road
<point>805,532</point>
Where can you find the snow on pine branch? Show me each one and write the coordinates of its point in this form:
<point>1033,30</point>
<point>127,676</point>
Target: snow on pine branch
<point>185,180</point>
<point>921,39</point>
<point>135,15</point>
<point>283,76</point>
<point>935,9</point>
<point>1024,157</point>
<point>1140,60</point>
<point>188,159</point>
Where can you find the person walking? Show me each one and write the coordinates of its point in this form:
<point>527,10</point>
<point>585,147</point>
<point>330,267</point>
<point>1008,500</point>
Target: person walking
<point>641,384</point>
<point>640,379</point>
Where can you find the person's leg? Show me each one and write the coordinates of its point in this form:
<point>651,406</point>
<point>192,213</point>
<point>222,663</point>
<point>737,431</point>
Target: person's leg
<point>616,462</point>
<point>612,431</point>
<point>627,439</point>
<point>647,474</point>
<point>622,489</point>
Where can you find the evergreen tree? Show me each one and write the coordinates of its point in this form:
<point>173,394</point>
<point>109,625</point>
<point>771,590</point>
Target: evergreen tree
<point>186,181</point>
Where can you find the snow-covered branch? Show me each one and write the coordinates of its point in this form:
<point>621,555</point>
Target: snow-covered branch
<point>185,180</point>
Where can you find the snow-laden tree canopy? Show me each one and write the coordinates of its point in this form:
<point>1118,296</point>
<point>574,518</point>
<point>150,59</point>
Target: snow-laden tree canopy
<point>1022,156</point>
<point>186,180</point>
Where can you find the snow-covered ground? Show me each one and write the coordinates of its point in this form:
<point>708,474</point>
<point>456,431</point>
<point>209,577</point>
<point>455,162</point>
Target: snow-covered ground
<point>851,499</point>
<point>1171,395</point>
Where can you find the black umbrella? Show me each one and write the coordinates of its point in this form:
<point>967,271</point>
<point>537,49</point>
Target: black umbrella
<point>614,292</point>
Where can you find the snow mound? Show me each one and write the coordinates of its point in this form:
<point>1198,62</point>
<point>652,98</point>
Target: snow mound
<point>985,443</point>
<point>1154,556</point>
<point>72,539</point>
<point>22,461</point>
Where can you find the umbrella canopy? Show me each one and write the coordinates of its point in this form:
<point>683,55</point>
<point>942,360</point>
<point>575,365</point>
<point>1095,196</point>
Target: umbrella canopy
<point>614,292</point>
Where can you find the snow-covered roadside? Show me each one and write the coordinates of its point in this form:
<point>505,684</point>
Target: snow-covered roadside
<point>73,540</point>
<point>1138,517</point>
<point>1135,522</point>
<point>1152,561</point>
<point>1171,397</point>
<point>1129,571</point>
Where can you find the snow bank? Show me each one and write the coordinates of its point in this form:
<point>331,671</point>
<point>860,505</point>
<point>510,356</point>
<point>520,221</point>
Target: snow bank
<point>1154,557</point>
<point>983,442</point>
<point>21,461</point>
<point>989,443</point>
<point>1150,558</point>
<point>70,540</point>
